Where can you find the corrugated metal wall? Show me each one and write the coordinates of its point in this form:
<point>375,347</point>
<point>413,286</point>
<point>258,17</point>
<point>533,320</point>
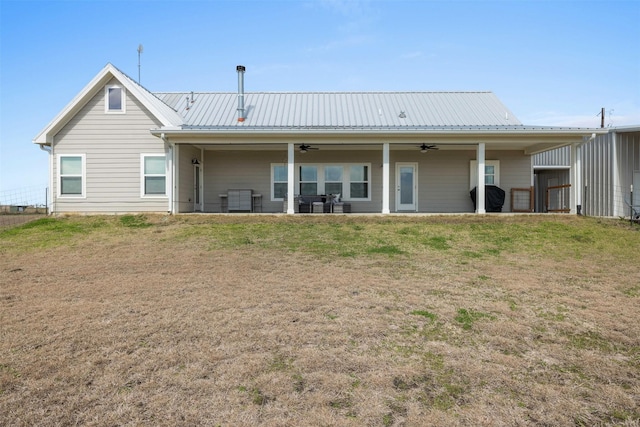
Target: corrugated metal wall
<point>628,156</point>
<point>597,176</point>
<point>558,157</point>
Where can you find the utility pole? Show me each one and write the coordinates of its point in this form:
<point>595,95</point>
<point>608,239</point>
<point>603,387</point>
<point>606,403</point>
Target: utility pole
<point>602,118</point>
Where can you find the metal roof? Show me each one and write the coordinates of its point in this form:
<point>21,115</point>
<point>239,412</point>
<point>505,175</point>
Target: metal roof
<point>341,110</point>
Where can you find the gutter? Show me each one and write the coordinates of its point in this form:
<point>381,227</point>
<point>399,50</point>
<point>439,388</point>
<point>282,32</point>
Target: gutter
<point>229,130</point>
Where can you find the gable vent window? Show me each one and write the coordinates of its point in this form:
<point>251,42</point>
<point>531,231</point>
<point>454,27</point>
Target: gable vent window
<point>114,99</point>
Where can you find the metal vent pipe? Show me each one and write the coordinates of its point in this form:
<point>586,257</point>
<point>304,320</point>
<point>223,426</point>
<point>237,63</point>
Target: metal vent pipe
<point>240,69</point>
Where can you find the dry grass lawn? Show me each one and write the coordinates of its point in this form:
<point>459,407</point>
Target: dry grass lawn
<point>320,321</point>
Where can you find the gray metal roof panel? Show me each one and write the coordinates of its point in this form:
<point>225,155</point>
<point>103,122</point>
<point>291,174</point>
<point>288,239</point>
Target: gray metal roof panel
<point>342,109</point>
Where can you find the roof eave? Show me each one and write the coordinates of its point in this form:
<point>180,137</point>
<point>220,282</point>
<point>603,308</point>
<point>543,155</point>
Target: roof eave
<point>333,131</point>
<point>45,137</point>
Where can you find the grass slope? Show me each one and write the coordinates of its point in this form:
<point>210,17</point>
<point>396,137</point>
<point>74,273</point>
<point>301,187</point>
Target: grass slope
<point>320,320</point>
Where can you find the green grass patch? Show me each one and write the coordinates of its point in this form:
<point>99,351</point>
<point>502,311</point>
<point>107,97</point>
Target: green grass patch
<point>467,317</point>
<point>385,250</point>
<point>438,243</point>
<point>426,314</point>
<point>590,340</point>
<point>633,291</point>
<point>135,221</point>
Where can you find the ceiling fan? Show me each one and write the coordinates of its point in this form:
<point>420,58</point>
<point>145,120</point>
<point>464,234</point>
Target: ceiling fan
<point>424,148</point>
<point>305,147</point>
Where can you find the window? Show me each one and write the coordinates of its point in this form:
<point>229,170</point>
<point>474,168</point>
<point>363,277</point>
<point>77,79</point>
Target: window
<point>308,180</point>
<point>359,182</point>
<point>279,179</point>
<point>154,175</point>
<point>491,173</point>
<point>351,181</point>
<point>114,99</point>
<point>71,172</point>
<point>333,180</point>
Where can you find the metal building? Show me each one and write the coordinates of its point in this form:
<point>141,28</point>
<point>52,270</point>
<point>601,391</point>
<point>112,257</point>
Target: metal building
<point>607,175</point>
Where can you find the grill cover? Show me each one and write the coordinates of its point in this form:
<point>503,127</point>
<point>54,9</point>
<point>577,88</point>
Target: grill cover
<point>493,198</point>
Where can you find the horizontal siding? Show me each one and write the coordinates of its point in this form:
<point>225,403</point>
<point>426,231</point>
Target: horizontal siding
<point>112,144</point>
<point>186,177</point>
<point>443,185</point>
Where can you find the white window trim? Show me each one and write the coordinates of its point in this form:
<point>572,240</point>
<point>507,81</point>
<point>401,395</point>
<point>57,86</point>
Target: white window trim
<point>142,176</point>
<point>473,172</point>
<point>123,93</point>
<point>346,179</point>
<point>84,177</point>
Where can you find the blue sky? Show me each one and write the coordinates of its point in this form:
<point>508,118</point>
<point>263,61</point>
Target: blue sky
<point>551,62</point>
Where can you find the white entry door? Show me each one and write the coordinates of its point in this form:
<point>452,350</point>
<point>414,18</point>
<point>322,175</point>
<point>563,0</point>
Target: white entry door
<point>407,186</point>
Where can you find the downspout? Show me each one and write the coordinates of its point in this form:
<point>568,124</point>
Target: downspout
<point>49,150</point>
<point>170,147</point>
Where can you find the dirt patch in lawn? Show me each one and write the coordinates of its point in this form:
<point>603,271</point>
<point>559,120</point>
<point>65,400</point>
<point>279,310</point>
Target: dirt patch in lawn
<point>234,321</point>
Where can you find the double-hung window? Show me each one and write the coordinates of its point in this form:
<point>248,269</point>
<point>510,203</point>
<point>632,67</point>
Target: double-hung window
<point>359,181</point>
<point>71,171</point>
<point>154,175</point>
<point>114,99</point>
<point>279,179</point>
<point>308,180</point>
<point>333,179</point>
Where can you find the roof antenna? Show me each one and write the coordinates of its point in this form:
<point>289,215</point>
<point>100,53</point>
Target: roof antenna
<point>140,50</point>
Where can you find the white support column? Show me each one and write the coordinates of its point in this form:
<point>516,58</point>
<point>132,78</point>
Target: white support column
<point>171,176</point>
<point>290,179</point>
<point>573,179</point>
<point>385,178</point>
<point>480,205</point>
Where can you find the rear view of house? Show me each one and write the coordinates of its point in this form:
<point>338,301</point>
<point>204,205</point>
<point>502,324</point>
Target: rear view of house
<point>119,148</point>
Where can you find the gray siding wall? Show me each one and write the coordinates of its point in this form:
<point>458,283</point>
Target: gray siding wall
<point>112,144</point>
<point>186,177</point>
<point>443,176</point>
